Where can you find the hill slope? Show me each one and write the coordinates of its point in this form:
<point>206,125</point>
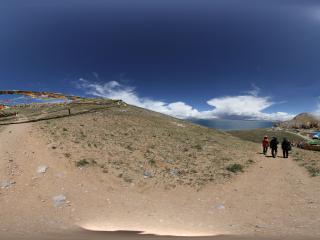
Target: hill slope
<point>303,120</point>
<point>134,144</point>
<point>126,168</point>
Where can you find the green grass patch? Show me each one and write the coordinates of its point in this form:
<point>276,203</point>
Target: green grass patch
<point>314,171</point>
<point>85,162</point>
<point>235,167</point>
<point>250,161</point>
<point>152,162</point>
<point>198,147</point>
<point>256,135</point>
<point>82,163</point>
<point>314,142</point>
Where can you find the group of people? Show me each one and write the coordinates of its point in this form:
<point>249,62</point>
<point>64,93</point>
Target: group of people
<point>273,144</point>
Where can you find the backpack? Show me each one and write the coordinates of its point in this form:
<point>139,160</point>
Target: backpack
<point>273,143</point>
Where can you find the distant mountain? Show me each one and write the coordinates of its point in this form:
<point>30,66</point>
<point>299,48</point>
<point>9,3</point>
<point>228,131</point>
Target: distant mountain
<point>302,120</point>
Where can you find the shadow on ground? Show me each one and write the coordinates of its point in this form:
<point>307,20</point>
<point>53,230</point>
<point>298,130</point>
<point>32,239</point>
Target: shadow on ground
<point>135,235</point>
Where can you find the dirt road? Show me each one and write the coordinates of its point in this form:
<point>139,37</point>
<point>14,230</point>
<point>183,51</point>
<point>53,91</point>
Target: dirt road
<point>272,198</point>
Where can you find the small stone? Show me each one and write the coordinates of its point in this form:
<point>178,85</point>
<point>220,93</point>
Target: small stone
<point>170,161</point>
<point>59,200</point>
<point>6,183</point>
<point>147,174</point>
<point>220,206</point>
<point>173,172</point>
<point>260,226</point>
<point>42,169</point>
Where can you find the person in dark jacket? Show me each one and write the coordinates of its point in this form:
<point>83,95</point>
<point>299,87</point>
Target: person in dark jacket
<point>274,146</point>
<point>286,147</point>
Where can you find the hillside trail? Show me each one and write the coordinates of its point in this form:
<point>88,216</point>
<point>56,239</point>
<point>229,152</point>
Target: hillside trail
<point>273,197</point>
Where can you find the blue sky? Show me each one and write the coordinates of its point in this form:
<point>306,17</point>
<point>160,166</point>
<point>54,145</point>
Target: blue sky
<point>192,58</point>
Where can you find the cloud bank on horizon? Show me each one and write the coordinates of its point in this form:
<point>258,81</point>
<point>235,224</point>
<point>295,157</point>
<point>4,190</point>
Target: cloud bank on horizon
<point>317,111</point>
<point>249,106</point>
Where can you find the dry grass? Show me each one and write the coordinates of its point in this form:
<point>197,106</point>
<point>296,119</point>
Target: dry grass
<point>308,159</point>
<point>136,144</point>
<point>235,167</point>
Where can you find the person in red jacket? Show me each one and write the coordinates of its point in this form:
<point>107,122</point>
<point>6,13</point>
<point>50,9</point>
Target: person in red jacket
<point>265,144</point>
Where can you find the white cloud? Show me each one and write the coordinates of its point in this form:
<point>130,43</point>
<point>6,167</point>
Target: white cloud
<point>249,106</point>
<point>245,107</point>
<point>317,111</point>
<point>115,90</point>
<point>239,105</point>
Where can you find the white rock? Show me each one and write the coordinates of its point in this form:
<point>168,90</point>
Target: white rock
<point>147,174</point>
<point>59,200</point>
<point>220,207</point>
<point>6,183</point>
<point>173,172</point>
<point>42,169</point>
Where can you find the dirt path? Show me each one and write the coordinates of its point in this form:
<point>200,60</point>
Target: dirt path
<point>274,197</point>
<point>299,134</point>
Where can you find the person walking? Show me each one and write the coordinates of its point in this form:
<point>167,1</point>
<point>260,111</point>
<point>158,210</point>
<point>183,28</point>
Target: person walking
<point>286,147</point>
<point>274,146</point>
<point>265,144</point>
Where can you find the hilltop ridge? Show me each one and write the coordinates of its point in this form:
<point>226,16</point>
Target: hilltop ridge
<point>302,120</point>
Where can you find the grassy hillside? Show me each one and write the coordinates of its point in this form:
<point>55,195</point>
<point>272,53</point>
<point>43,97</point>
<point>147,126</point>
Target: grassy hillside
<point>308,159</point>
<point>138,145</point>
<point>256,135</point>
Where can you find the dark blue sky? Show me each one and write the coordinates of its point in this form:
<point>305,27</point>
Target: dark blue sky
<point>169,50</point>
